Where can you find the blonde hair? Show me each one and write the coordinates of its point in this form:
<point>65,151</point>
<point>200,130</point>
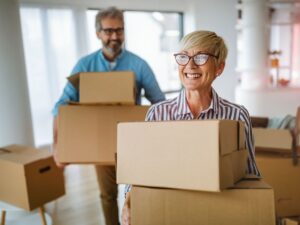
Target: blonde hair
<point>209,41</point>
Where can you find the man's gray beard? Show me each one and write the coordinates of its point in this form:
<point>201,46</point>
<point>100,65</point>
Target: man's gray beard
<point>112,51</point>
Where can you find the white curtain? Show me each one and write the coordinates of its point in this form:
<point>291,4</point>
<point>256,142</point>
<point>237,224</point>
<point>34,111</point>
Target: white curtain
<point>54,39</point>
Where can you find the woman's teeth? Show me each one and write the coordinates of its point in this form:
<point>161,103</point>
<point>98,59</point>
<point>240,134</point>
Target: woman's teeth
<point>192,75</point>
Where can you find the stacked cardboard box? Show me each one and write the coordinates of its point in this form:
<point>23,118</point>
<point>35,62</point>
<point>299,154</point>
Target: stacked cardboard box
<point>279,171</point>
<point>29,177</point>
<point>248,203</point>
<point>278,162</point>
<point>283,141</point>
<point>87,131</point>
<point>181,172</point>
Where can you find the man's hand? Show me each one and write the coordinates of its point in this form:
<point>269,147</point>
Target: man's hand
<point>54,146</point>
<point>126,211</point>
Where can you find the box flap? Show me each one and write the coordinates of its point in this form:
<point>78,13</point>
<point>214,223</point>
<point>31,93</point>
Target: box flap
<point>254,183</point>
<point>233,167</point>
<point>23,154</point>
<point>74,80</point>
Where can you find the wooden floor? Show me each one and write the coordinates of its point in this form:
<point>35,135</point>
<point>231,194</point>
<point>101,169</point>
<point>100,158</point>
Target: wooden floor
<point>81,204</point>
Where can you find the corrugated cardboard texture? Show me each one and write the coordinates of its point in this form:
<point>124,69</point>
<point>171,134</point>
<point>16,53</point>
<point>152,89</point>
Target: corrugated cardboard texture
<point>88,134</point>
<point>272,139</point>
<point>247,206</point>
<point>30,177</point>
<point>74,80</point>
<point>107,88</point>
<point>280,173</point>
<point>193,155</point>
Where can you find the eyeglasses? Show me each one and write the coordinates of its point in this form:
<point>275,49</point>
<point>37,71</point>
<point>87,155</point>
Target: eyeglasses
<point>110,31</point>
<point>199,59</point>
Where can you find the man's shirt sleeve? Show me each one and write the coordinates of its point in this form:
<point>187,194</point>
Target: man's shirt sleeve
<point>251,167</point>
<point>152,90</point>
<point>69,93</point>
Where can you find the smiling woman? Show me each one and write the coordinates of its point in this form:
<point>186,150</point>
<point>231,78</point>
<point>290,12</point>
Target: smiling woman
<point>198,100</point>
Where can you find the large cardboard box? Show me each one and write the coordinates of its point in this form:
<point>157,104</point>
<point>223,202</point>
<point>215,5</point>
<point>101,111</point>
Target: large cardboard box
<point>29,177</point>
<point>193,155</point>
<point>105,87</point>
<point>284,177</point>
<point>249,203</point>
<point>88,134</point>
<point>278,140</point>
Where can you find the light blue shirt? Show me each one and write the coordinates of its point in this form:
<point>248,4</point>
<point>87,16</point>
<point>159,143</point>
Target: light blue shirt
<point>126,61</point>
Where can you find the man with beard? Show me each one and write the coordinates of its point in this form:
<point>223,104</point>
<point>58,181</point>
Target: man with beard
<point>112,57</point>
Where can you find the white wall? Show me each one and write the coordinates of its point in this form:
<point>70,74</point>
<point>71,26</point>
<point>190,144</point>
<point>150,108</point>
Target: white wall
<point>15,119</point>
<point>221,17</point>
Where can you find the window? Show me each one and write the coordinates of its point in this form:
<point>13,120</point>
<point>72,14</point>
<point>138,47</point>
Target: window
<point>285,42</point>
<point>55,38</point>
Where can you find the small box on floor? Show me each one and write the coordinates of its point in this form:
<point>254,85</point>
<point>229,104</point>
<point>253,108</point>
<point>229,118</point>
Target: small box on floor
<point>29,177</point>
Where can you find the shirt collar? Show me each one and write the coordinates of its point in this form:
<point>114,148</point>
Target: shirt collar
<point>107,63</point>
<point>183,107</point>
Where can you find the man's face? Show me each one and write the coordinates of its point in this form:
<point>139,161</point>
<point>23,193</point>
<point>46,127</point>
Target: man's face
<point>111,35</point>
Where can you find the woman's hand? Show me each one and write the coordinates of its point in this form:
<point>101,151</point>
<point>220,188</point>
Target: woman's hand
<point>126,211</point>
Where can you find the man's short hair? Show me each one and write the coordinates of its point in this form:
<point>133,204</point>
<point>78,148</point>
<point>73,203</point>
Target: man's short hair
<point>209,41</point>
<point>111,12</point>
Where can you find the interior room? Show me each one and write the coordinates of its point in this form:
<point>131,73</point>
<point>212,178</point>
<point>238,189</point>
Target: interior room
<point>42,40</point>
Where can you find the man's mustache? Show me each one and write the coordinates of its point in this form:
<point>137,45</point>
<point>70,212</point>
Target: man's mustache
<point>116,41</point>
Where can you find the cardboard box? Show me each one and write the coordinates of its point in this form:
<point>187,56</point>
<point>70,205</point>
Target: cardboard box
<point>105,87</point>
<point>29,177</point>
<point>259,121</point>
<point>250,203</point>
<point>279,140</point>
<point>88,134</point>
<point>193,155</point>
<point>291,221</point>
<point>284,177</point>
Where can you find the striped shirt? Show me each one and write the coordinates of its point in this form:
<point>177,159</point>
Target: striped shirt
<point>220,109</point>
